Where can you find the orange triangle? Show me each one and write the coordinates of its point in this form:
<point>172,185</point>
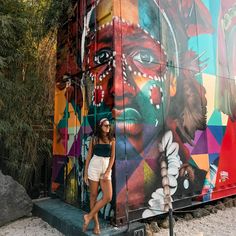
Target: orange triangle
<point>202,161</point>
<point>73,120</point>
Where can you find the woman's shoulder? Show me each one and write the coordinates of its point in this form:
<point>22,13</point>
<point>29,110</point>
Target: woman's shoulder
<point>94,139</point>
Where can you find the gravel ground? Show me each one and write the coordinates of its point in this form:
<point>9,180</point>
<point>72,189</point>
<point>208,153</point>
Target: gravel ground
<point>223,223</point>
<point>32,226</point>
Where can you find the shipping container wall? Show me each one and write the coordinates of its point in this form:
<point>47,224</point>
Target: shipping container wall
<point>164,73</point>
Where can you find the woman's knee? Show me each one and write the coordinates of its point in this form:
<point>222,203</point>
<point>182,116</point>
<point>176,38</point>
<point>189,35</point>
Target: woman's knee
<point>93,196</point>
<point>107,198</point>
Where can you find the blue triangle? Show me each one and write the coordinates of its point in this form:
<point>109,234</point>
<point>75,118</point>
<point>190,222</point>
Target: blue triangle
<point>217,132</point>
<point>214,158</point>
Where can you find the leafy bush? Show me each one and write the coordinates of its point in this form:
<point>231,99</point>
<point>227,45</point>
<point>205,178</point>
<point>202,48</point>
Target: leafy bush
<point>26,88</point>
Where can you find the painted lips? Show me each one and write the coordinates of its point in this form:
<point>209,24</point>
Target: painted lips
<point>128,121</point>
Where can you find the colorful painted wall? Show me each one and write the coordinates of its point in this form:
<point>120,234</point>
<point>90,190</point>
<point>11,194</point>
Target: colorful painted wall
<point>164,73</point>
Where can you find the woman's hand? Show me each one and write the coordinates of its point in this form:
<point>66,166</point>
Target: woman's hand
<point>106,174</point>
<point>86,178</point>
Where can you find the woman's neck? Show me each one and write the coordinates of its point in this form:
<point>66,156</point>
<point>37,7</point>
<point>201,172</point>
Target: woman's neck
<point>104,138</point>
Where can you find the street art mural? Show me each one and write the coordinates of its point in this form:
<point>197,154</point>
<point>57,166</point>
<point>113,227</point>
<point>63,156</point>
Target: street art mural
<point>163,72</point>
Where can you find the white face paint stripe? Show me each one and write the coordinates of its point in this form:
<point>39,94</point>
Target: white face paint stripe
<point>156,123</point>
<point>85,31</point>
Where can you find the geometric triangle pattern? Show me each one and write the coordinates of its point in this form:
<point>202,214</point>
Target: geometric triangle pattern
<point>217,132</point>
<point>73,119</point>
<point>192,162</point>
<point>60,105</point>
<point>215,118</point>
<point>150,179</point>
<point>149,175</point>
<point>71,138</point>
<point>75,149</point>
<point>152,164</point>
<point>86,127</point>
<point>214,159</point>
<point>201,146</point>
<point>127,169</point>
<point>63,123</point>
<point>213,145</point>
<point>198,134</point>
<point>202,161</point>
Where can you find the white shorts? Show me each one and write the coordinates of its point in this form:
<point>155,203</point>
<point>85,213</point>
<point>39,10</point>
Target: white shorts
<point>97,167</point>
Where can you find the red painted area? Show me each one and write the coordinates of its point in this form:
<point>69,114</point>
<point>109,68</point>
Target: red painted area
<point>156,95</point>
<point>226,175</point>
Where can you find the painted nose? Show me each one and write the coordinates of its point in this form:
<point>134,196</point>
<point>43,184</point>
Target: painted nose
<point>123,84</point>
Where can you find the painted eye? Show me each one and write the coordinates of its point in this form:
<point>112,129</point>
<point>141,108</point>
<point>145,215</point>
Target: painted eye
<point>145,57</point>
<point>102,56</point>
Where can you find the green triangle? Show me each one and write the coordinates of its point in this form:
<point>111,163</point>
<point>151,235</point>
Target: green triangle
<point>215,118</point>
<point>85,121</point>
<point>63,123</point>
<point>192,163</point>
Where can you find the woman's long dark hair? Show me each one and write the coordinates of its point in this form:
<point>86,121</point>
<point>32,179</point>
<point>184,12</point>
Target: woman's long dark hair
<point>99,132</point>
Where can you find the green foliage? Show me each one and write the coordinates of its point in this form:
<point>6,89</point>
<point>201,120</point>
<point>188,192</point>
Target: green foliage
<point>26,82</point>
<point>13,25</point>
<point>57,11</point>
<point>23,148</point>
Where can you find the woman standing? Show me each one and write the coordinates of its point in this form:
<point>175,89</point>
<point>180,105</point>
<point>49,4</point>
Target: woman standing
<point>99,162</point>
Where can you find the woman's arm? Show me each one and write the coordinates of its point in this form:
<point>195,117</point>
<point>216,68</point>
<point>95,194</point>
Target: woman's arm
<point>112,158</point>
<point>89,156</point>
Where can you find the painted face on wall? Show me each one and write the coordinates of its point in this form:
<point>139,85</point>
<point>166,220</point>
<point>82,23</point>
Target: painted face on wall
<point>145,75</point>
<point>140,86</point>
<point>131,79</point>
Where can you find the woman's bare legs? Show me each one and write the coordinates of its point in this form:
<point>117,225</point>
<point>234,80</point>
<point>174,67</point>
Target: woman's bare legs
<point>93,187</point>
<point>106,187</point>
